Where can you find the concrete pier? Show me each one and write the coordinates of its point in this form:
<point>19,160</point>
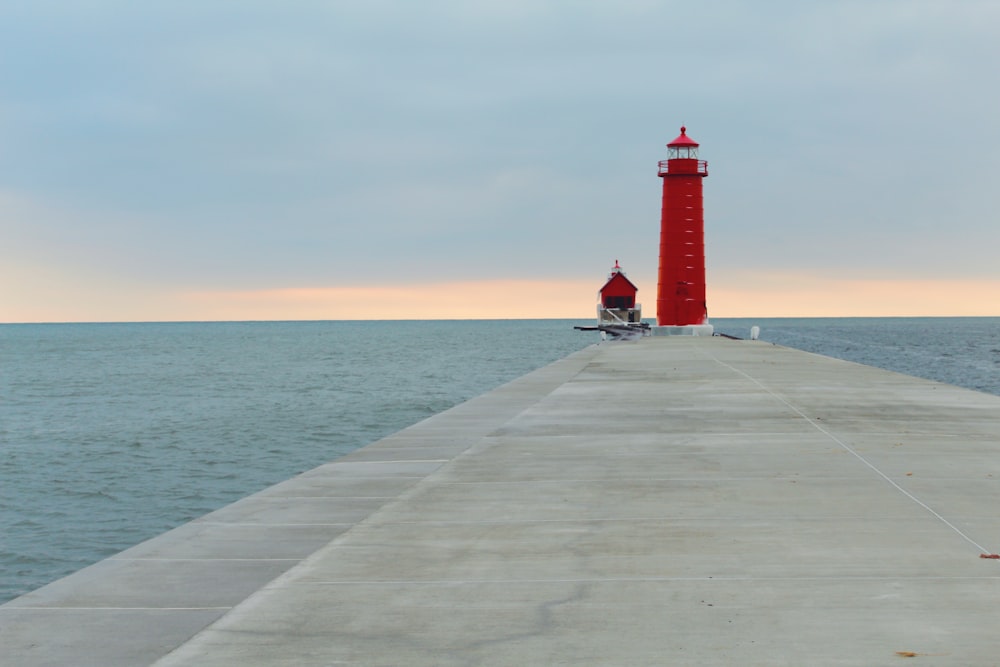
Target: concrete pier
<point>670,501</point>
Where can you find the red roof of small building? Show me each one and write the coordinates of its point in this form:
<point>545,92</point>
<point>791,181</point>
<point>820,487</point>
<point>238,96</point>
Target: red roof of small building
<point>683,140</point>
<point>618,276</point>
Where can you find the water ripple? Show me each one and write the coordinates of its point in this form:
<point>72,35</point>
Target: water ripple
<point>113,433</point>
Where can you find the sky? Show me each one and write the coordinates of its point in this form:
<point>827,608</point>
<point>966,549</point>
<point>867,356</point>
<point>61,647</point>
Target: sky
<point>395,159</point>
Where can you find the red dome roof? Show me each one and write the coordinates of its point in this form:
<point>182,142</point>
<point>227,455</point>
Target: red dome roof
<point>683,140</point>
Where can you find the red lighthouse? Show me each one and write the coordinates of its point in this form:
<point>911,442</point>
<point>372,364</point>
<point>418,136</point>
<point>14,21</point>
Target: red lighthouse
<point>680,290</point>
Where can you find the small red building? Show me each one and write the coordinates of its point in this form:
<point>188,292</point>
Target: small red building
<point>617,298</point>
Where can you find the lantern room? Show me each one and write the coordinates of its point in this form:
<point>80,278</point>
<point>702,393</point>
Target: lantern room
<point>683,146</point>
<point>682,157</point>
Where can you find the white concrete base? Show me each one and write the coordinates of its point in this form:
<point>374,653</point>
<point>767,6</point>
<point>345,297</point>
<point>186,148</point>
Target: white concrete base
<point>686,330</point>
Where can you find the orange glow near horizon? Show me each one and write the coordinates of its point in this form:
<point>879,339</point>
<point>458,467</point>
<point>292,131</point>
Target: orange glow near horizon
<point>742,295</point>
<point>804,295</point>
<point>492,299</point>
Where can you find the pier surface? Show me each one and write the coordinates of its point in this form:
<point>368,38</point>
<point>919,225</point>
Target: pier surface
<point>688,501</point>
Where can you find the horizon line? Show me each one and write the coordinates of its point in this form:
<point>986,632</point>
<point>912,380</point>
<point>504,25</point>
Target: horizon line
<point>494,319</point>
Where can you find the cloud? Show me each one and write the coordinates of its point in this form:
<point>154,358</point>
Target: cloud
<point>252,145</point>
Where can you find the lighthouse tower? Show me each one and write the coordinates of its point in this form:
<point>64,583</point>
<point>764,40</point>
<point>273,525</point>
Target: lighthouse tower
<point>680,290</point>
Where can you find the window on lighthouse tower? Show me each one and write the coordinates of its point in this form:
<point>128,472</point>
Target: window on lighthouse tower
<point>674,152</point>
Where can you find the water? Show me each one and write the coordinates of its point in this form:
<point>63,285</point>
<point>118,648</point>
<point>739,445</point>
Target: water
<point>113,433</point>
<point>962,351</point>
